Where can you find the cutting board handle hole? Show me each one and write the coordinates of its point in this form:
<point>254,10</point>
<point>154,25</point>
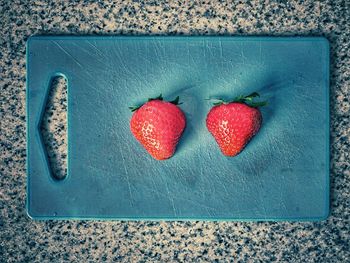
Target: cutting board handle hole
<point>53,127</point>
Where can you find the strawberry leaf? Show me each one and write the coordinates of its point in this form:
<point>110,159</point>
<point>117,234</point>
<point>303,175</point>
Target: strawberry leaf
<point>160,97</point>
<point>243,99</point>
<point>253,95</point>
<point>176,101</point>
<point>239,98</point>
<point>216,102</point>
<point>257,104</point>
<point>134,108</point>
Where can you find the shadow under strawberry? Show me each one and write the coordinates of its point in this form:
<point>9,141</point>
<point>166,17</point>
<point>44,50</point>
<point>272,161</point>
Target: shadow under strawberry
<point>194,109</point>
<point>260,154</point>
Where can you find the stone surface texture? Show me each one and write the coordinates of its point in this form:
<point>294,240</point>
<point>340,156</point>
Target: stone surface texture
<point>24,240</point>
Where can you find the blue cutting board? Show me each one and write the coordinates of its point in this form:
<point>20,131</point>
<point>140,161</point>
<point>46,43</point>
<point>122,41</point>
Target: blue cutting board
<point>283,174</point>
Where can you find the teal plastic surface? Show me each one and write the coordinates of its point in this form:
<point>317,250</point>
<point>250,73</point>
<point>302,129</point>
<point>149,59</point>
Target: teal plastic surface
<point>283,174</point>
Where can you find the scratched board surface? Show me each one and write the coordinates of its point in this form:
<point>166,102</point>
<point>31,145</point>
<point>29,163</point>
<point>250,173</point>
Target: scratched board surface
<point>281,175</point>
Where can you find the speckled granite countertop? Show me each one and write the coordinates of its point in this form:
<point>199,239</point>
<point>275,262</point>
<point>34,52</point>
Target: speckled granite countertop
<point>24,240</point>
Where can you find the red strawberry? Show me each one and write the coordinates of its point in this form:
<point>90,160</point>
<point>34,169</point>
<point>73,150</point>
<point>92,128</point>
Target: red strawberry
<point>158,126</point>
<point>233,124</point>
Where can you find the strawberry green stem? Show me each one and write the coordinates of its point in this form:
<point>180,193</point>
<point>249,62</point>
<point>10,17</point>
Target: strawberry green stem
<point>160,97</point>
<point>243,99</point>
